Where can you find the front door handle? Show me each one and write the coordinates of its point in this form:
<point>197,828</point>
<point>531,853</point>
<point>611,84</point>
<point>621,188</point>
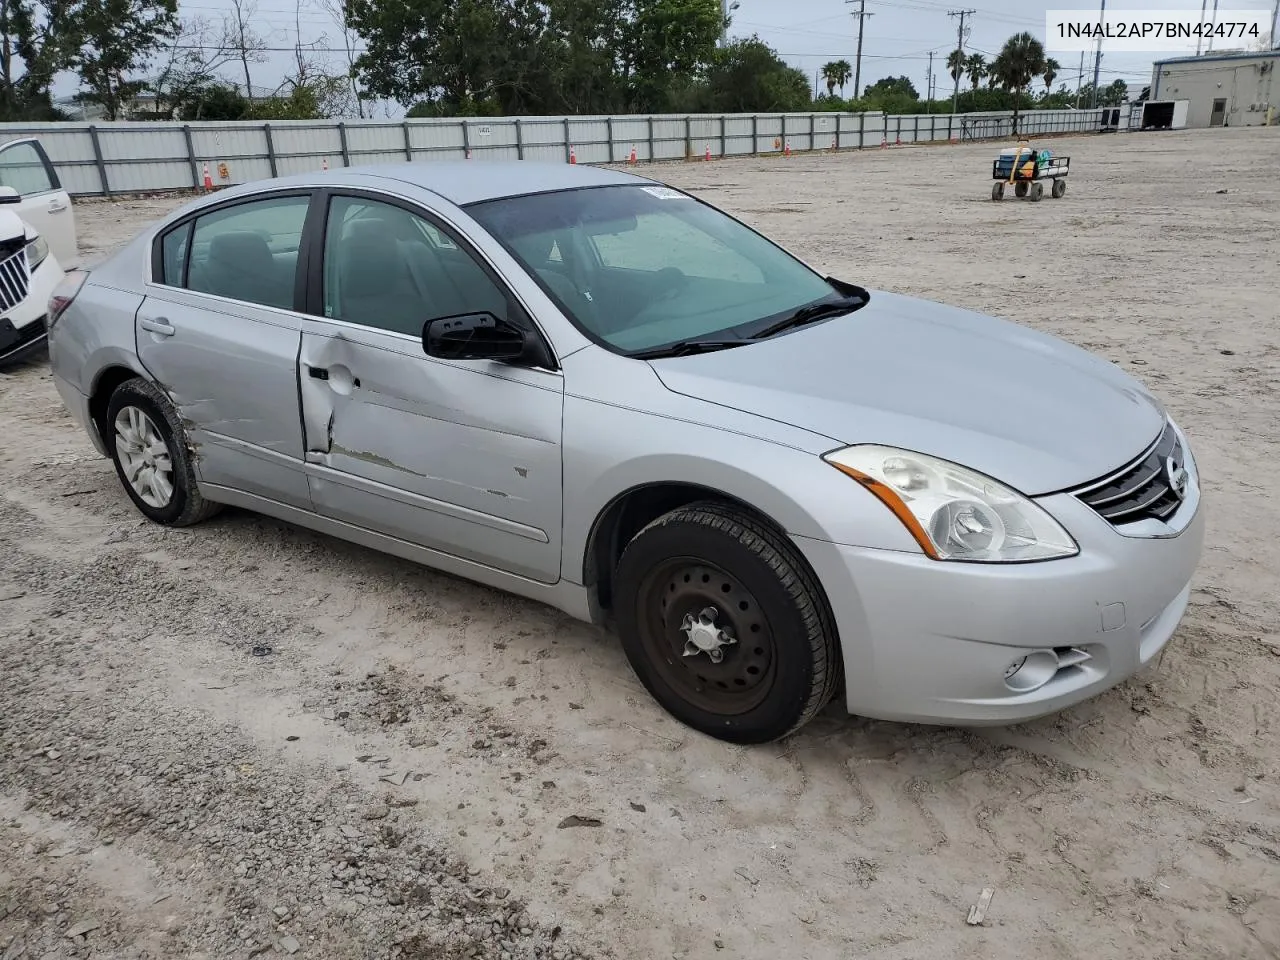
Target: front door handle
<point>157,325</point>
<point>56,206</point>
<point>318,373</point>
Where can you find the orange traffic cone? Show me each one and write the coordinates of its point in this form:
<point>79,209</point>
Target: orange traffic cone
<point>833,144</point>
<point>324,164</point>
<point>786,151</point>
<point>883,142</point>
<point>632,158</point>
<point>468,154</point>
<point>897,141</point>
<point>208,180</point>
<point>707,155</point>
<point>573,156</point>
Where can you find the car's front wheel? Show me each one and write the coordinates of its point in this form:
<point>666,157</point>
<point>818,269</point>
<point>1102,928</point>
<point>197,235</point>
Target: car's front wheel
<point>147,445</point>
<point>724,624</point>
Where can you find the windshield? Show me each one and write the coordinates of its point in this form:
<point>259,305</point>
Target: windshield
<point>639,267</point>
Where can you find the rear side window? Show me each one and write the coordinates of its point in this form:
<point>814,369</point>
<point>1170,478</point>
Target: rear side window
<point>246,252</point>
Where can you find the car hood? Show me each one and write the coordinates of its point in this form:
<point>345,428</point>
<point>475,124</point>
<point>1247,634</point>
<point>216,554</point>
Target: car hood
<point>1027,409</point>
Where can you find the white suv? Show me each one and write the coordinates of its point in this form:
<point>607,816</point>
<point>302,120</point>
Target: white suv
<point>37,245</point>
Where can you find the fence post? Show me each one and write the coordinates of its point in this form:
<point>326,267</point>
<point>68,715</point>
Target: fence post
<point>755,135</point>
<point>342,141</point>
<point>784,131</point>
<point>466,139</point>
<point>271,149</point>
<point>568,147</point>
<point>915,137</point>
<point>408,142</point>
<point>191,156</point>
<point>724,144</point>
<point>97,156</point>
<point>519,139</point>
<point>813,145</point>
<point>608,122</point>
<point>651,155</point>
<point>862,127</point>
<point>688,137</point>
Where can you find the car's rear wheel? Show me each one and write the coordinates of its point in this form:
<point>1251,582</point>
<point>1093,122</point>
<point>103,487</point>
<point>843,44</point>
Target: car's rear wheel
<point>724,624</point>
<point>148,446</point>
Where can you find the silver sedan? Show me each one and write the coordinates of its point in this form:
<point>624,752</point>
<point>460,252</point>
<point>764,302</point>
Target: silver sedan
<point>599,392</point>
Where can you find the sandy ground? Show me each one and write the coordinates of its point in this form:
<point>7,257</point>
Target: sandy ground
<point>392,776</point>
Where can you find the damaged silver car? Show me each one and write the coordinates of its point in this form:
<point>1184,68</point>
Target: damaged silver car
<point>600,392</point>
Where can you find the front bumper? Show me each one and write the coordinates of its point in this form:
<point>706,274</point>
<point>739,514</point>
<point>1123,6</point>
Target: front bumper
<point>22,329</point>
<point>929,642</point>
<point>18,343</point>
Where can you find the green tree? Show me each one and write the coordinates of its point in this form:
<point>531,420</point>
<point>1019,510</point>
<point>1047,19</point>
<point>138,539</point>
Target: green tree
<point>956,65</point>
<point>36,41</point>
<point>118,38</point>
<point>975,65</point>
<point>747,76</point>
<point>1050,73</point>
<point>1020,59</point>
<point>663,41</point>
<point>892,86</point>
<point>836,74</point>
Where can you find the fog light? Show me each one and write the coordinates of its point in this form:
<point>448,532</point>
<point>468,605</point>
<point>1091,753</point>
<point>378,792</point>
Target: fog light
<point>1031,672</point>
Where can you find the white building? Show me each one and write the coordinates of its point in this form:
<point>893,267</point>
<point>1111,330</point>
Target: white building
<point>1225,90</point>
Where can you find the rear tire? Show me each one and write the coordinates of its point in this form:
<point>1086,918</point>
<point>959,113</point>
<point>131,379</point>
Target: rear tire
<point>1037,192</point>
<point>997,190</point>
<point>1059,188</point>
<point>1019,189</point>
<point>724,625</point>
<point>153,461</point>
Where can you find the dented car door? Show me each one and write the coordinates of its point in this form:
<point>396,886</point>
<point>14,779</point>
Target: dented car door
<point>457,456</point>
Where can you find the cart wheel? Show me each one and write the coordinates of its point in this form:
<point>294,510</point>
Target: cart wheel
<point>1037,191</point>
<point>997,190</point>
<point>1019,189</point>
<point>1059,188</point>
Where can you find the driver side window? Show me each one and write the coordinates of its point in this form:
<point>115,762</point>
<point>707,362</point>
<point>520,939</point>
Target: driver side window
<point>390,269</point>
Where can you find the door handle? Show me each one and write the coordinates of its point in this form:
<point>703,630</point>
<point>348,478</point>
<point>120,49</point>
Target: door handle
<point>318,373</point>
<point>157,325</point>
<point>56,206</point>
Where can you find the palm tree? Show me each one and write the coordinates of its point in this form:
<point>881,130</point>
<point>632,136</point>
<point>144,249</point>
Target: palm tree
<point>1051,69</point>
<point>956,65</point>
<point>1021,59</point>
<point>976,67</point>
<point>836,74</point>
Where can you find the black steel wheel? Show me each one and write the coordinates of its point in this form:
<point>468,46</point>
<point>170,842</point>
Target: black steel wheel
<point>1059,188</point>
<point>997,190</point>
<point>1020,189</point>
<point>1037,192</point>
<point>724,625</point>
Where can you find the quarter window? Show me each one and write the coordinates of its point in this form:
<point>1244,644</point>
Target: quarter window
<point>387,268</point>
<point>245,252</point>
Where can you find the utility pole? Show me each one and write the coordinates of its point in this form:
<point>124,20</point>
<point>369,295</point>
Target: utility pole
<point>1275,18</point>
<point>928,86</point>
<point>955,95</point>
<point>1079,79</point>
<point>1212,23</point>
<point>1203,4</point>
<point>857,69</point>
<point>1097,60</point>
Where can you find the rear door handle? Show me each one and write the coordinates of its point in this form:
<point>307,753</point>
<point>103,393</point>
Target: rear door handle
<point>157,325</point>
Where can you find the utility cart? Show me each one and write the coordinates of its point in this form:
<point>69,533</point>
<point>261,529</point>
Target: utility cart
<point>1026,169</point>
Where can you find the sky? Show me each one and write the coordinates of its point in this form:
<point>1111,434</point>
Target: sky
<point>899,35</point>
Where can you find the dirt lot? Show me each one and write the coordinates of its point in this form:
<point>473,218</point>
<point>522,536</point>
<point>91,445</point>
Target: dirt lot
<point>390,774</point>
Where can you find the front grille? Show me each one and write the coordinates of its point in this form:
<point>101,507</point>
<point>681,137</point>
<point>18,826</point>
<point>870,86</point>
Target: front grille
<point>1152,486</point>
<point>15,281</point>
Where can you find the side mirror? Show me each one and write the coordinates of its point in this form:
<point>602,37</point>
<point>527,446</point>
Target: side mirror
<point>10,195</point>
<point>473,336</point>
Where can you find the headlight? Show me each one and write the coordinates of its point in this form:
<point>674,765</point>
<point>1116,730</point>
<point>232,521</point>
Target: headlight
<point>37,250</point>
<point>952,512</point>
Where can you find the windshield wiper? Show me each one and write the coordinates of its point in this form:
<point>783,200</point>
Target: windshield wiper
<point>810,313</point>
<point>685,347</point>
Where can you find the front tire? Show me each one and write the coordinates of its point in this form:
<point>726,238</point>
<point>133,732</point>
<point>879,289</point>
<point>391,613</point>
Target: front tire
<point>148,446</point>
<point>724,624</point>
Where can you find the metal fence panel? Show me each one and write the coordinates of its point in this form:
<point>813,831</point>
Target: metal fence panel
<point>104,158</point>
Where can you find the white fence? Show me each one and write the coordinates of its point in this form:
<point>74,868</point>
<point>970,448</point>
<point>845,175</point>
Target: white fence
<point>111,158</point>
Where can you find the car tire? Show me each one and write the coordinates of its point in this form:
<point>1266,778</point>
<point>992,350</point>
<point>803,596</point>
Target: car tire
<point>153,460</point>
<point>715,573</point>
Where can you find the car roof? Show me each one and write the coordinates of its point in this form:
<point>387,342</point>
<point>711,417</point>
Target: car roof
<point>463,181</point>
